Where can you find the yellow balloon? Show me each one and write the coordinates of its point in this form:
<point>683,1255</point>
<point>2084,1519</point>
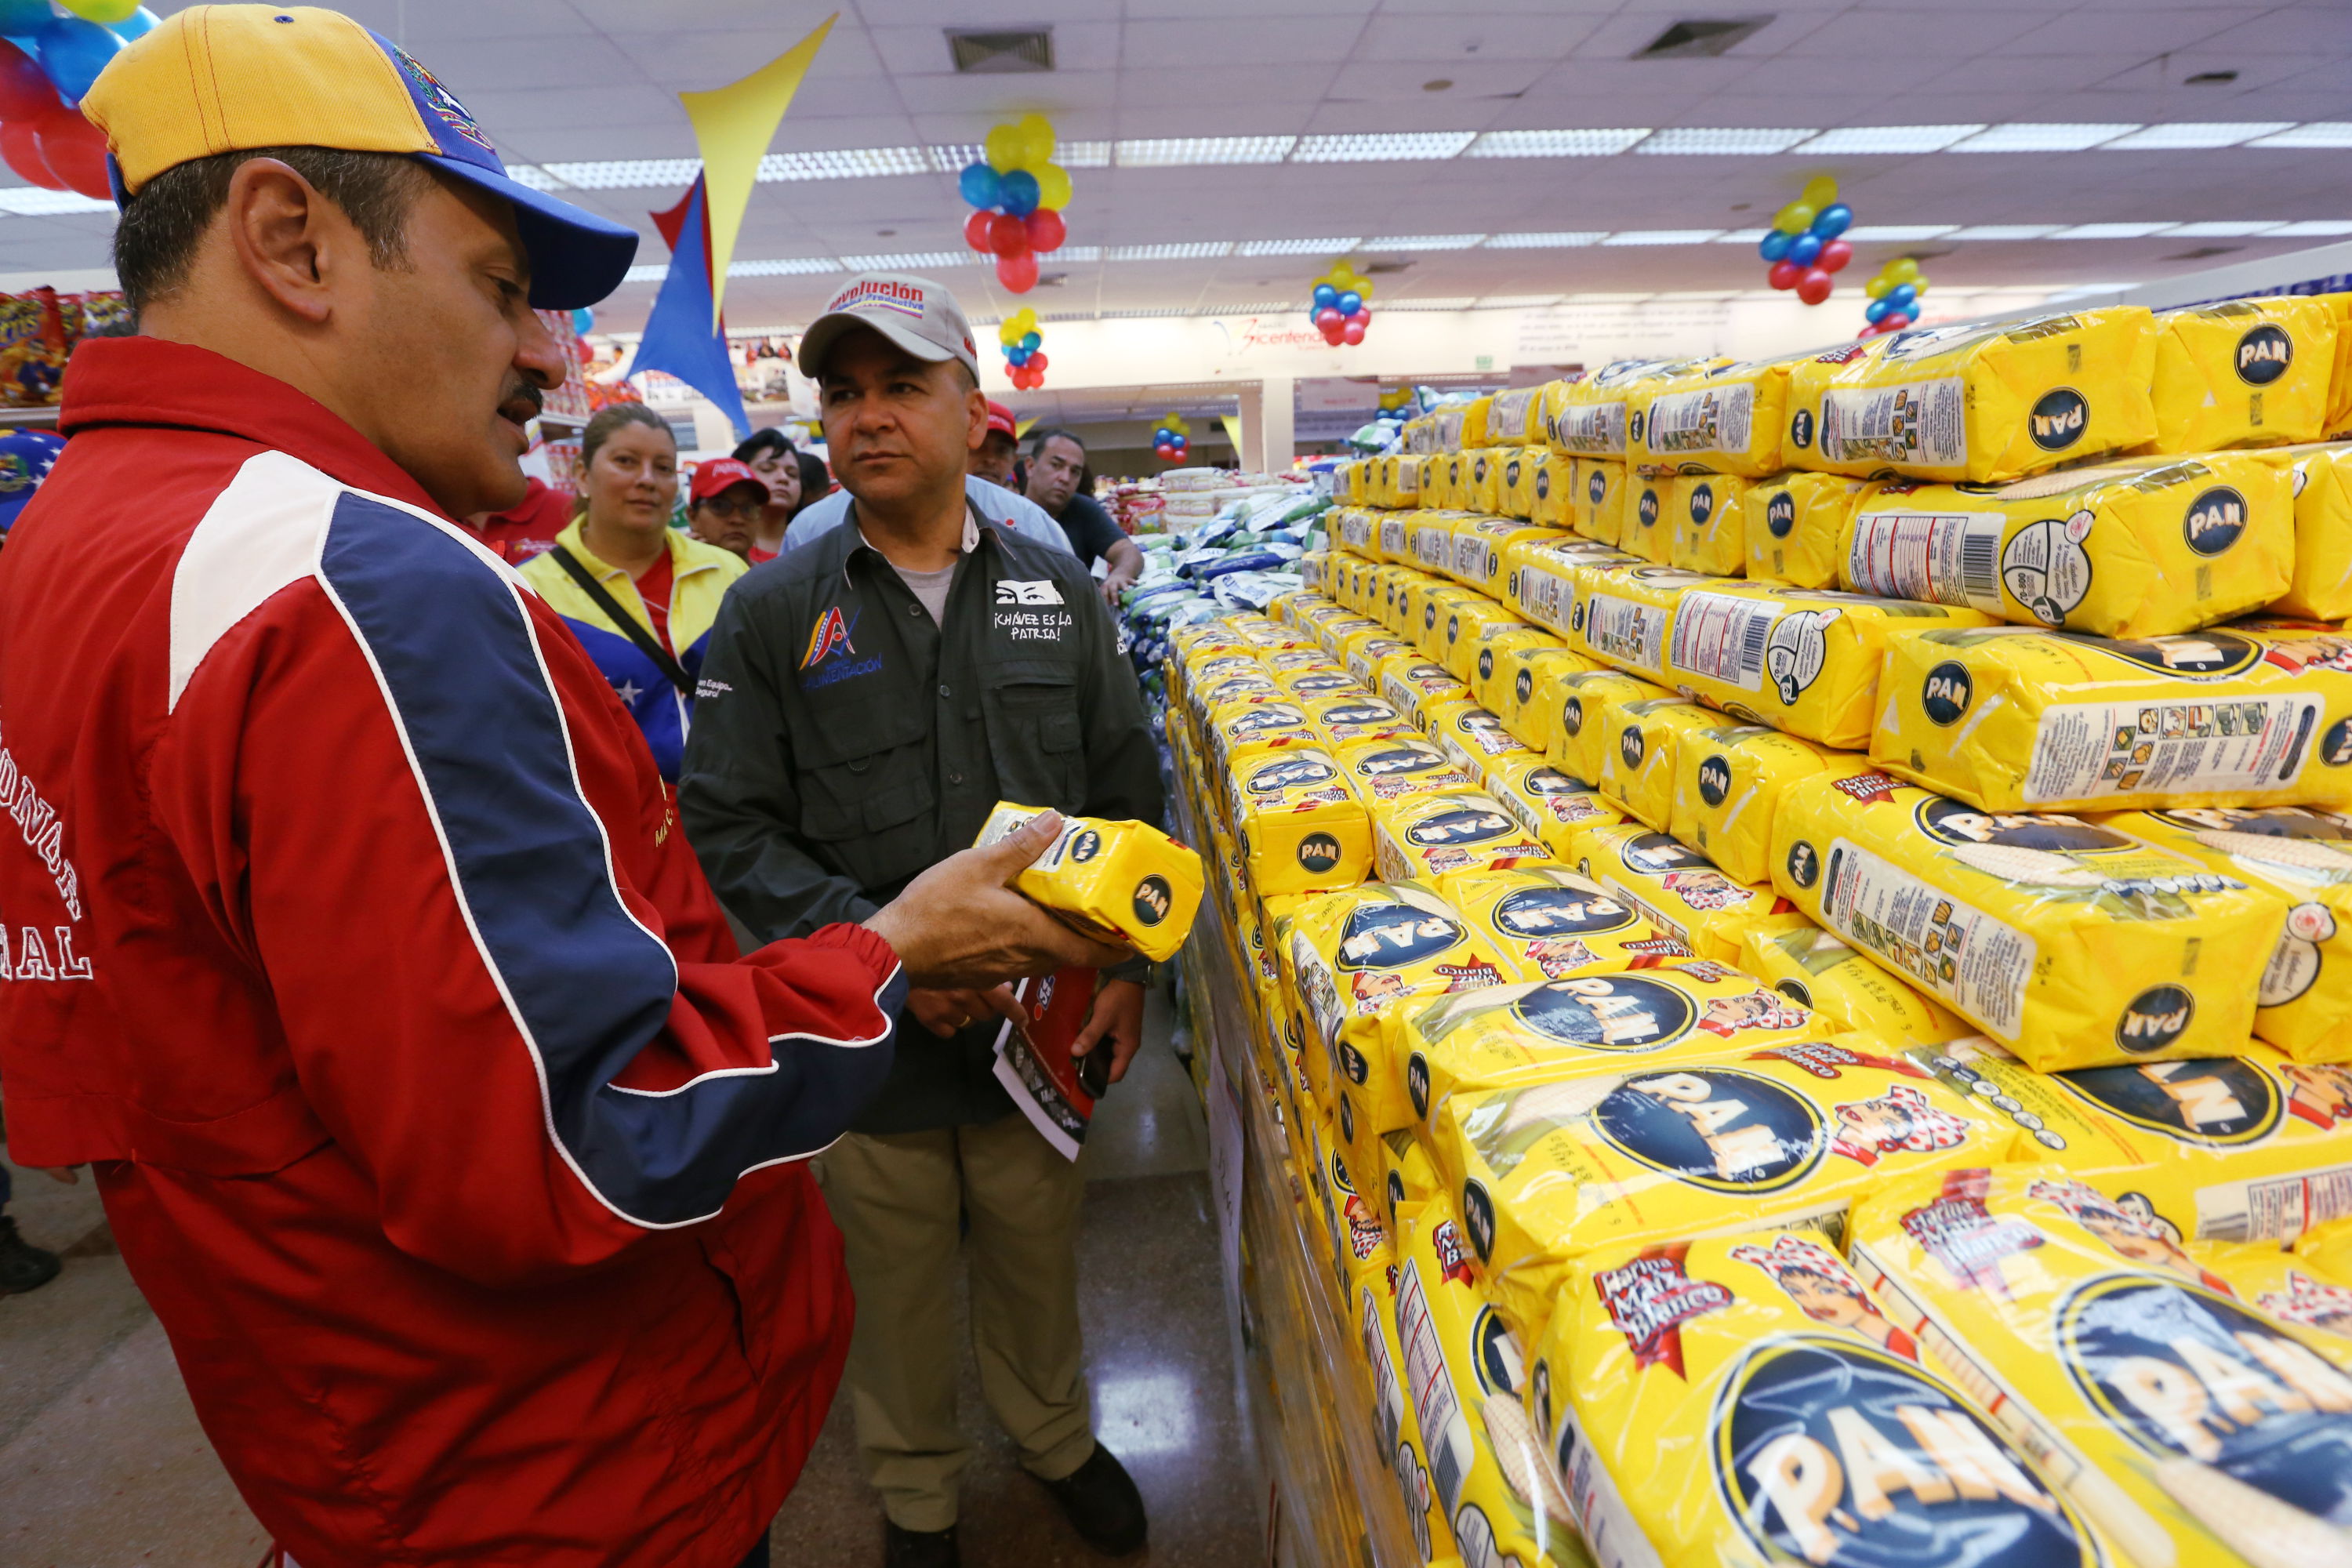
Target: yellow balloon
<point>1053,186</point>
<point>1364,286</point>
<point>1878,288</point>
<point>1005,148</point>
<point>1794,218</point>
<point>1918,280</point>
<point>1902,269</point>
<point>1820,192</point>
<point>105,13</point>
<point>1008,334</point>
<point>1037,144</point>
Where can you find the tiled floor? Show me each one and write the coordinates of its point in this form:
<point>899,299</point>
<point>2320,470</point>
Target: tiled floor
<point>102,1465</point>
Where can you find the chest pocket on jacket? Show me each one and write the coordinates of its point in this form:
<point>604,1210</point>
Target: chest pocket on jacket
<point>867,800</point>
<point>1036,738</point>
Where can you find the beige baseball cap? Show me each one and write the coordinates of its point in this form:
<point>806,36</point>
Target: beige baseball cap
<point>918,315</point>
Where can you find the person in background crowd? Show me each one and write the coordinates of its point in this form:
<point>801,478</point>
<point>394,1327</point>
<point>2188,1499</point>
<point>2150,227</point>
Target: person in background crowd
<point>434,1110</point>
<point>1057,465</point>
<point>986,483</point>
<point>816,482</point>
<point>23,1266</point>
<point>772,456</point>
<point>726,504</point>
<point>870,697</point>
<point>527,530</point>
<point>639,595</point>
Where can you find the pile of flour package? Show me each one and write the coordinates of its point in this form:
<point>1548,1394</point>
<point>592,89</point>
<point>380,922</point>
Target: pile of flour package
<point>1801,922</point>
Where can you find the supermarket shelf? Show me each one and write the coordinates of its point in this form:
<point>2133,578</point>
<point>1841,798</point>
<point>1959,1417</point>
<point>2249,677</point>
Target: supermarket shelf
<point>29,418</point>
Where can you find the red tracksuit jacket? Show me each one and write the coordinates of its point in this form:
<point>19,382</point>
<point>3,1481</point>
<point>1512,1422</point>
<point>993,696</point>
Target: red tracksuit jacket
<point>349,933</point>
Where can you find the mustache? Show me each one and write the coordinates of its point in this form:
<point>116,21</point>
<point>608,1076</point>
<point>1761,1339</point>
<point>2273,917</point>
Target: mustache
<point>522,402</point>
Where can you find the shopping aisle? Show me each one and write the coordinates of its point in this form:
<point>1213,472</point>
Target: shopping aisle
<point>101,1462</point>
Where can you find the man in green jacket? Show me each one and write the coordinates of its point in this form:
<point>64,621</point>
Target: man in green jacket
<point>864,701</point>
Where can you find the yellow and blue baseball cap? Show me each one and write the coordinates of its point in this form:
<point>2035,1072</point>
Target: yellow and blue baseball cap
<point>226,78</point>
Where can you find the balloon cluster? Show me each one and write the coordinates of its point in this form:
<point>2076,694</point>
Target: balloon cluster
<point>47,63</point>
<point>1396,398</point>
<point>1803,245</point>
<point>1893,297</point>
<point>1017,194</point>
<point>1340,311</point>
<point>1172,439</point>
<point>1024,349</point>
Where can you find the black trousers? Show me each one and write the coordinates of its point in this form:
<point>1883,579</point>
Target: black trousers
<point>759,1555</point>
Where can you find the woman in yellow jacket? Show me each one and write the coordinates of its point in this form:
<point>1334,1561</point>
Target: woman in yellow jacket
<point>639,594</point>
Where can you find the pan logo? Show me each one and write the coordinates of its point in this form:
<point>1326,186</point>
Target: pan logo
<point>2215,520</point>
<point>1646,509</point>
<point>2264,356</point>
<point>1535,914</point>
<point>2059,418</point>
<point>1616,1013</point>
<point>1085,847</point>
<point>1543,483</point>
<point>1722,1129</point>
<point>1571,714</point>
<point>1596,488</point>
<point>1702,505</point>
<point>1945,695</point>
<point>2155,1019</point>
<point>2217,1101</point>
<point>1781,514</point>
<point>1715,779</point>
<point>1801,429</point>
<point>1318,852</point>
<point>1152,899</point>
<point>1628,745</point>
<point>1804,864</point>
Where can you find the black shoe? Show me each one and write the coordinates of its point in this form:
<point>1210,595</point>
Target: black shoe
<point>919,1548</point>
<point>1100,1500</point>
<point>23,1266</point>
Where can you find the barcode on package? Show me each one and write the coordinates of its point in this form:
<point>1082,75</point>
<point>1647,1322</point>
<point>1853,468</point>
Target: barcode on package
<point>1944,558</point>
<point>1722,636</point>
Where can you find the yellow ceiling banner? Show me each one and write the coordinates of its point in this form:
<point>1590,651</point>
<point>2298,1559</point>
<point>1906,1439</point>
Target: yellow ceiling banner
<point>733,125</point>
<point>1233,424</point>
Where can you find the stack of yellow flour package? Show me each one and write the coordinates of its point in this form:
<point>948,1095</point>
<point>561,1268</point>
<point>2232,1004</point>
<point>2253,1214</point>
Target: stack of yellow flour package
<point>1800,915</point>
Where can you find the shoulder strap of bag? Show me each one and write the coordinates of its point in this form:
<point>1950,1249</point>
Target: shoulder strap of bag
<point>631,628</point>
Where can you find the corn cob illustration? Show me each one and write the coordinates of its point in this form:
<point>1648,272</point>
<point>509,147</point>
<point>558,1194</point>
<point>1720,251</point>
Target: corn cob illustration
<point>2036,867</point>
<point>1521,1459</point>
<point>2258,1527</point>
<point>2328,858</point>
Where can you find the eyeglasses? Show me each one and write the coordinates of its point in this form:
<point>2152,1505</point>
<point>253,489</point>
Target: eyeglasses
<point>728,504</point>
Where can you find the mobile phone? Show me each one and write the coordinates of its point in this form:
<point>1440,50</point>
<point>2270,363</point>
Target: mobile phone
<point>1094,1067</point>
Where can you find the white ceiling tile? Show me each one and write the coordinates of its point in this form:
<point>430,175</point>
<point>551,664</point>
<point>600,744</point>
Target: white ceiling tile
<point>1400,83</point>
<point>1475,37</point>
<point>1261,39</point>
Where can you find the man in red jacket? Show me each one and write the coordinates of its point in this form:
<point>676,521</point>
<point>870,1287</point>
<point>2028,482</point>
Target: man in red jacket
<point>351,935</point>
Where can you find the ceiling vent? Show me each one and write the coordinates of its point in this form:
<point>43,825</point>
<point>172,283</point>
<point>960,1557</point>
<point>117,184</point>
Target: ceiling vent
<point>1706,35</point>
<point>982,52</point>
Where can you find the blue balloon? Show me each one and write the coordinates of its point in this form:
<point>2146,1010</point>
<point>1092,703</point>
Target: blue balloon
<point>1832,220</point>
<point>72,52</point>
<point>1325,297</point>
<point>1016,357</point>
<point>1033,341</point>
<point>1179,442</point>
<point>1774,245</point>
<point>1019,188</point>
<point>1804,248</point>
<point>978,185</point>
<point>1161,437</point>
<point>1903,296</point>
<point>24,18</point>
<point>1350,302</point>
<point>583,320</point>
<point>137,24</point>
<point>1876,310</point>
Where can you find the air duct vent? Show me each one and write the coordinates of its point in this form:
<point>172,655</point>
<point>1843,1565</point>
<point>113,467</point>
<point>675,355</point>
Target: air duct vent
<point>980,52</point>
<point>1708,36</point>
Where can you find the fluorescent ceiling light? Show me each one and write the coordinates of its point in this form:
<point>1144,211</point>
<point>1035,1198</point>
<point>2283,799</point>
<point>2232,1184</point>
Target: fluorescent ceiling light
<point>1544,241</point>
<point>1554,143</point>
<point>1071,253</point>
<point>1889,139</point>
<point>31,201</point>
<point>626,174</point>
<point>2318,228</point>
<point>954,157</point>
<point>845,163</point>
<point>2111,230</point>
<point>1295,246</point>
<point>2319,134</point>
<point>2004,231</point>
<point>1191,150</point>
<point>647,272</point>
<point>1160,311</point>
<point>1742,237</point>
<point>1257,308</point>
<point>1425,242</point>
<point>2223,230</point>
<point>1513,301</point>
<point>1380,146</point>
<point>791,267</point>
<point>1663,236</point>
<point>1897,233</point>
<point>2206,133</point>
<point>913,260</point>
<point>1459,302</point>
<point>1722,139</point>
<point>1082,154</point>
<point>2026,137</point>
<point>1189,250</point>
<point>532,175</point>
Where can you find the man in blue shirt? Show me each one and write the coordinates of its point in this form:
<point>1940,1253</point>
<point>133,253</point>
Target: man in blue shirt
<point>996,503</point>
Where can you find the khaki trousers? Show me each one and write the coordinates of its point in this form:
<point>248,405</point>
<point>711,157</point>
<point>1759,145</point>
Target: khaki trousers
<point>897,1197</point>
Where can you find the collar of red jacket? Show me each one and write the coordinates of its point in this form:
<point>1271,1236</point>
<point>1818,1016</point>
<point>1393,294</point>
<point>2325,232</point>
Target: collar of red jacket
<point>149,382</point>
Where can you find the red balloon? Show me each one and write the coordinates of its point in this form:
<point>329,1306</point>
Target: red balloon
<point>1036,362</point>
<point>25,90</point>
<point>1835,254</point>
<point>1784,275</point>
<point>1046,231</point>
<point>1007,235</point>
<point>1363,317</point>
<point>1893,321</point>
<point>1328,319</point>
<point>1018,273</point>
<point>1353,331</point>
<point>1814,286</point>
<point>75,151</point>
<point>979,231</point>
<point>20,148</point>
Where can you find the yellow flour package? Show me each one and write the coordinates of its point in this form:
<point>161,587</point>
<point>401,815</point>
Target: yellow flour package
<point>1597,499</point>
<point>1531,707</point>
<point>1549,804</point>
<point>2321,477</point>
<point>1494,672</point>
<point>1728,783</point>
<point>1708,517</point>
<point>1486,488</point>
<point>1554,494</point>
<point>1351,716</point>
<point>2281,1284</point>
<point>2073,944</point>
<point>1120,881</point>
<point>1681,891</point>
<point>2124,549</point>
<point>1648,530</point>
<point>1515,491</point>
<point>2245,373</point>
<point>1429,536</point>
<point>1365,654</point>
<point>1308,687</point>
<point>1719,419</point>
<point>1465,625</point>
<point>1977,403</point>
<point>1239,729</point>
<point>1228,685</point>
<point>1548,922</point>
<point>1545,578</point>
<point>1473,736</point>
<point>1426,836</point>
<point>1747,1403</point>
<point>1844,989</point>
<point>1579,736</point>
<point>1396,1430</point>
<point>2185,1427</point>
<point>1794,527</point>
<point>1515,418</point>
<point>1381,771</point>
<point>1625,1153</point>
<point>1420,687</point>
<point>1587,417</point>
<point>2012,720</point>
<point>1463,1368</point>
<point>2304,1005</point>
<point>1298,823</point>
<point>1642,740</point>
<point>1622,614</point>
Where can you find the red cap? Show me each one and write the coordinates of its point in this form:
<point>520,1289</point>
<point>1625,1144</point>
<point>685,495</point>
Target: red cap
<point>723,473</point>
<point>1001,418</point>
